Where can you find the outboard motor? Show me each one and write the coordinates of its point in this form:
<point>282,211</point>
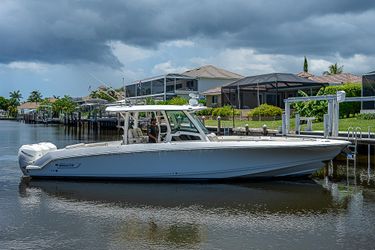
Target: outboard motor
<point>29,153</point>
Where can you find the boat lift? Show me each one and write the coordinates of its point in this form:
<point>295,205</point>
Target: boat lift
<point>331,119</point>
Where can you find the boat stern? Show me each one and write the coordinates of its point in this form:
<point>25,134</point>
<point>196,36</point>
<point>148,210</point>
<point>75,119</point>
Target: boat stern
<point>29,153</point>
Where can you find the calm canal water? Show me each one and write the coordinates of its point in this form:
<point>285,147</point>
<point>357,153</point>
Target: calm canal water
<point>255,215</point>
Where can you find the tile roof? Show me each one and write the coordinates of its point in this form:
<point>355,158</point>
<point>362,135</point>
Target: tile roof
<point>29,105</point>
<point>338,78</point>
<point>210,71</point>
<point>213,91</point>
<point>304,74</point>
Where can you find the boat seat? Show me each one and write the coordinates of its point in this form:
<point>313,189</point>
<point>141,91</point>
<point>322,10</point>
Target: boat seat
<point>131,138</point>
<point>138,135</point>
<point>135,135</point>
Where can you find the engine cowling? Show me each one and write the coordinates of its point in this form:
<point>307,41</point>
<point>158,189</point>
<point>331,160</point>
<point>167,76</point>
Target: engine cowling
<point>29,153</point>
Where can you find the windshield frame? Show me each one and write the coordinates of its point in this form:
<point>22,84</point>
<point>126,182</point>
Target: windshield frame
<point>200,123</point>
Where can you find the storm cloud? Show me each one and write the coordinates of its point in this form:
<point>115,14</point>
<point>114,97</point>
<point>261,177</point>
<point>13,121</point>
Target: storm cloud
<point>71,31</point>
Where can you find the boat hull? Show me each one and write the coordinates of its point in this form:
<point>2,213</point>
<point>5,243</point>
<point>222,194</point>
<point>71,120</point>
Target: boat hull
<point>189,161</point>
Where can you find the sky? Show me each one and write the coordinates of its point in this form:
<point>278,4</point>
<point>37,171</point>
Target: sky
<point>73,46</point>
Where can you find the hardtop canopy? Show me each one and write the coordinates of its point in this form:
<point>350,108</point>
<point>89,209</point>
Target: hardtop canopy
<point>148,108</point>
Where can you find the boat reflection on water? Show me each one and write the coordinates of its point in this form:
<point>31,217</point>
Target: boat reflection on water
<point>177,214</point>
<point>278,197</point>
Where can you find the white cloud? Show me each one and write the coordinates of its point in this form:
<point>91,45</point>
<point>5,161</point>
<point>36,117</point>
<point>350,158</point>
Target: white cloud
<point>127,54</point>
<point>29,66</point>
<point>167,67</point>
<point>248,62</point>
<point>358,63</point>
<point>179,43</point>
<point>318,66</point>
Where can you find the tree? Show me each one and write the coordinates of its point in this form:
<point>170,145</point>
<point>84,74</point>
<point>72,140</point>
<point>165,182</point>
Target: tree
<point>15,97</point>
<point>105,95</point>
<point>334,69</point>
<point>16,94</point>
<point>305,65</point>
<point>64,104</point>
<point>35,96</point>
<point>4,103</point>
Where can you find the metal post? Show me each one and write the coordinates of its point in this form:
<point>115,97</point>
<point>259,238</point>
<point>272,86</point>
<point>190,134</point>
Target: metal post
<point>283,127</point>
<point>326,125</point>
<point>233,117</point>
<point>287,117</point>
<point>330,116</point>
<point>337,118</point>
<point>258,98</point>
<point>165,88</point>
<point>247,129</point>
<point>218,125</point>
<point>297,124</point>
<point>238,96</point>
<point>126,126</point>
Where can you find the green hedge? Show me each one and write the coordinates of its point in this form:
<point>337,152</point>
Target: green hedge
<point>205,112</point>
<point>226,111</point>
<point>366,116</point>
<point>319,108</point>
<point>223,112</point>
<point>351,90</point>
<point>174,101</point>
<point>267,111</point>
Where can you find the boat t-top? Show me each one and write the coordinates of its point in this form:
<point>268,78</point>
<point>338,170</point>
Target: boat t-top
<point>183,149</point>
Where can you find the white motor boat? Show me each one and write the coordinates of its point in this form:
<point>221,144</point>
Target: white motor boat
<point>184,150</point>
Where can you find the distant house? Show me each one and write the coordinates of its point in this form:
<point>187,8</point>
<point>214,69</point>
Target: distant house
<point>167,86</point>
<point>368,89</point>
<point>332,79</point>
<point>3,113</point>
<point>252,91</point>
<point>210,77</point>
<point>213,97</point>
<point>27,107</point>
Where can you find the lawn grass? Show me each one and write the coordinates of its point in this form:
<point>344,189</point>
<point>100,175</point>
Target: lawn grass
<point>344,124</point>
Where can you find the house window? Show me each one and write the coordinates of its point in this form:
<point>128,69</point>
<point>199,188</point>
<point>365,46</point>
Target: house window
<point>214,99</point>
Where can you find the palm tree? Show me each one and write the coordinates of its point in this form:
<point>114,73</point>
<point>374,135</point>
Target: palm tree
<point>334,69</point>
<point>16,95</point>
<point>15,98</point>
<point>35,96</point>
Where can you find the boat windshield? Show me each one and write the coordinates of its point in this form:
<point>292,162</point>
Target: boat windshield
<point>180,122</point>
<point>200,124</point>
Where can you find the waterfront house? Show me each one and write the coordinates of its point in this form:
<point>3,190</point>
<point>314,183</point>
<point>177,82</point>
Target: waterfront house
<point>165,87</point>
<point>27,107</point>
<point>3,113</point>
<point>368,89</point>
<point>335,79</point>
<point>252,91</point>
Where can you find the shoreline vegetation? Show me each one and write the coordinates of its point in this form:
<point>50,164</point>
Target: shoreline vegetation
<point>344,124</point>
<point>62,108</point>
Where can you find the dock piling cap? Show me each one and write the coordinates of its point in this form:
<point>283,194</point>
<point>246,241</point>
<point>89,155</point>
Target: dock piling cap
<point>341,96</point>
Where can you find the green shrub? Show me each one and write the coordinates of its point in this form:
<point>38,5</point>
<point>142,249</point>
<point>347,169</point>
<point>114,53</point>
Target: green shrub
<point>205,112</point>
<point>174,101</point>
<point>319,108</point>
<point>266,110</point>
<point>225,111</point>
<point>351,90</point>
<point>366,116</point>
